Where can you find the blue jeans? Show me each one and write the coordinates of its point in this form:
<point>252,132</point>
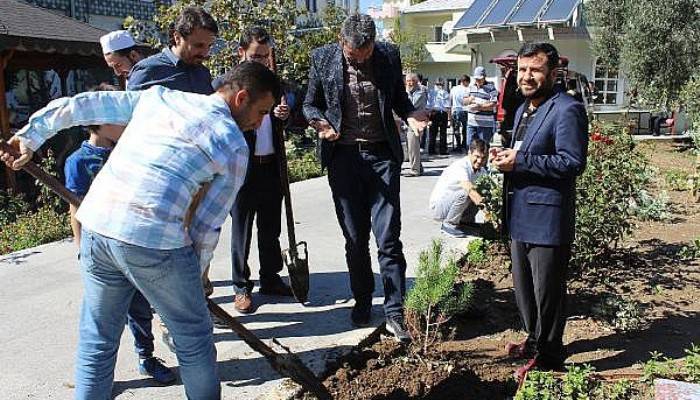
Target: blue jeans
<point>139,319</point>
<point>170,280</point>
<point>482,132</point>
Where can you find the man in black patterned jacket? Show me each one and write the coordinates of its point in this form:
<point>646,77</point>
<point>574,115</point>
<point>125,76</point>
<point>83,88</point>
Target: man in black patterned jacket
<point>354,86</point>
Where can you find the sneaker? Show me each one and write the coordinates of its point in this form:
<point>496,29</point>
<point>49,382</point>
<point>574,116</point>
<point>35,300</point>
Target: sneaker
<point>361,315</point>
<point>154,368</point>
<point>276,289</point>
<point>243,303</point>
<point>396,327</point>
<point>520,351</point>
<point>412,174</point>
<point>218,322</point>
<point>453,231</point>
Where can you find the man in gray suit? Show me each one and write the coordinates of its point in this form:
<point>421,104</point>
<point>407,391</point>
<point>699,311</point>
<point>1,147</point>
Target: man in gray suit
<point>354,86</point>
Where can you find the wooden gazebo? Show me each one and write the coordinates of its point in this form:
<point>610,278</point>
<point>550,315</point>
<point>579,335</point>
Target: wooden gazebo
<point>34,38</point>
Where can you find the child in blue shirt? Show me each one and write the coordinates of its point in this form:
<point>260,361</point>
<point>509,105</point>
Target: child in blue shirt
<point>81,168</point>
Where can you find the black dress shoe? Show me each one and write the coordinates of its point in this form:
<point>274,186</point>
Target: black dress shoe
<point>278,288</point>
<point>361,315</point>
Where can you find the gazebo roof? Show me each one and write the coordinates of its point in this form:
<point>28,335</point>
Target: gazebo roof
<point>27,28</point>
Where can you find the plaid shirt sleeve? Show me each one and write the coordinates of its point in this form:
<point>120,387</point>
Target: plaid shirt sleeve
<point>211,213</point>
<point>90,108</point>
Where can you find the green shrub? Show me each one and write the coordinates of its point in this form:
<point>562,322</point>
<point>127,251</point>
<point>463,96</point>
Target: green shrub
<point>539,386</point>
<point>48,198</point>
<point>616,173</point>
<point>623,314</point>
<point>490,187</point>
<point>32,229</point>
<point>303,165</point>
<point>11,206</point>
<point>677,180</point>
<point>651,208</point>
<point>577,382</point>
<point>691,367</point>
<point>690,251</point>
<point>659,367</point>
<point>477,252</point>
<point>436,294</point>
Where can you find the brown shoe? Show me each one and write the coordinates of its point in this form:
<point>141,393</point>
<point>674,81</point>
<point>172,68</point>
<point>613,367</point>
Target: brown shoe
<point>520,351</point>
<point>243,303</point>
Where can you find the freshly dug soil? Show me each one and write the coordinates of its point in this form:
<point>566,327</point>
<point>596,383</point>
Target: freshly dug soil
<point>471,363</point>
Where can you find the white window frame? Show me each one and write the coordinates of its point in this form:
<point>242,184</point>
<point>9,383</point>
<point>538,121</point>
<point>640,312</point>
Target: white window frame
<point>605,95</point>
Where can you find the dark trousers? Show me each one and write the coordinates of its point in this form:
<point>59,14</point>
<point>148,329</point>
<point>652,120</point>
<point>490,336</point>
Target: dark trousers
<point>139,318</point>
<point>539,278</point>
<point>459,128</point>
<point>261,196</point>
<point>365,187</point>
<point>438,128</point>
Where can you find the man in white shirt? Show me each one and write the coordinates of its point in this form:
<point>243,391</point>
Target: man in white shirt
<point>454,200</point>
<point>459,113</point>
<point>260,197</point>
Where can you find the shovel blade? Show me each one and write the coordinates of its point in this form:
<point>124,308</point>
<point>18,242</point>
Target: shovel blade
<point>297,261</point>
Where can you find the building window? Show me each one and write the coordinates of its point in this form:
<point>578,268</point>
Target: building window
<point>311,6</point>
<point>437,34</point>
<point>607,82</point>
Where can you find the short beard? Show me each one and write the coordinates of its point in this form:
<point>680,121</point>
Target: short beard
<point>542,91</point>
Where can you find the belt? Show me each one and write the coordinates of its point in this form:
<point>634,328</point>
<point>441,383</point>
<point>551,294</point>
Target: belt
<point>261,160</point>
<point>363,146</point>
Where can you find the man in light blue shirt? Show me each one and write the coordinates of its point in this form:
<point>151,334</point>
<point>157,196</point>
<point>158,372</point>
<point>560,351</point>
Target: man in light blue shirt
<point>439,105</point>
<point>135,229</point>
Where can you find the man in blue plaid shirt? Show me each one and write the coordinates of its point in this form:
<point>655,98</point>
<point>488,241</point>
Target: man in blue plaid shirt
<point>134,231</point>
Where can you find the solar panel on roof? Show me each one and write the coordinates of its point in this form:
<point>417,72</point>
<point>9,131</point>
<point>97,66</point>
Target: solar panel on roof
<point>499,13</point>
<point>559,10</point>
<point>472,16</point>
<point>527,12</point>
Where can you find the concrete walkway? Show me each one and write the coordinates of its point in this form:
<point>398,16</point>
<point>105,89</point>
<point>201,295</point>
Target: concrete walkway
<point>40,294</point>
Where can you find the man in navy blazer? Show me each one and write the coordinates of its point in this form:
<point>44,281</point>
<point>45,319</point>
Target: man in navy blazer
<point>354,86</point>
<point>548,151</point>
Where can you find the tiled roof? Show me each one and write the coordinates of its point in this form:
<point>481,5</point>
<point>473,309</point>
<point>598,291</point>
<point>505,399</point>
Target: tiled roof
<point>438,5</point>
<point>23,20</point>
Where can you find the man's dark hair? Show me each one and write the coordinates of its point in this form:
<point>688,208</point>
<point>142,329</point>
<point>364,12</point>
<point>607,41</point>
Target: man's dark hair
<point>255,33</point>
<point>358,30</point>
<point>254,77</point>
<point>477,145</point>
<point>102,87</point>
<point>532,48</point>
<point>190,19</point>
<point>465,78</point>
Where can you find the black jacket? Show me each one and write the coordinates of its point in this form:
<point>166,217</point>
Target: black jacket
<point>324,96</point>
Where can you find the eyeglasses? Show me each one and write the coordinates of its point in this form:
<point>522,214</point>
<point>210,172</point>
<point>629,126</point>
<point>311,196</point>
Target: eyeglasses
<point>258,56</point>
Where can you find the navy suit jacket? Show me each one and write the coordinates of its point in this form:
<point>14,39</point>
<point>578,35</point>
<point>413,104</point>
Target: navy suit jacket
<point>542,207</point>
<point>324,96</point>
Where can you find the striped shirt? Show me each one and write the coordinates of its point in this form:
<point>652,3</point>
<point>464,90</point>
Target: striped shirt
<point>174,143</point>
<point>484,94</point>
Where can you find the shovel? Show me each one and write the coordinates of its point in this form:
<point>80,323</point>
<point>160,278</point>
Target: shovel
<point>286,364</point>
<point>296,257</point>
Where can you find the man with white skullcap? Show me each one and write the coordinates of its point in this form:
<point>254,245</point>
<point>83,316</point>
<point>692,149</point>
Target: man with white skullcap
<point>120,52</point>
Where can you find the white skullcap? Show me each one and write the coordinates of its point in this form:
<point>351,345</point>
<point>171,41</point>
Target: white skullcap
<point>117,40</point>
